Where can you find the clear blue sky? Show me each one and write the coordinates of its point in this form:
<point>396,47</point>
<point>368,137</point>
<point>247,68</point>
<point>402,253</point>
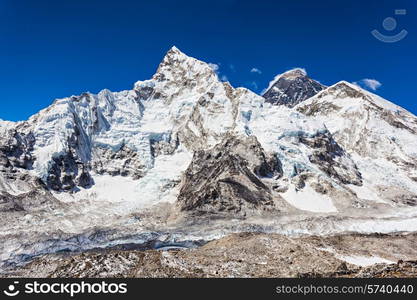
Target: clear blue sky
<point>53,49</point>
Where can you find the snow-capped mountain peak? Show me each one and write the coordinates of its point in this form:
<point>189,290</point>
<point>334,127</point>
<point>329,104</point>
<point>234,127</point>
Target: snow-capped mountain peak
<point>291,87</point>
<point>379,134</point>
<point>290,74</point>
<point>343,89</point>
<point>178,66</point>
<point>293,73</point>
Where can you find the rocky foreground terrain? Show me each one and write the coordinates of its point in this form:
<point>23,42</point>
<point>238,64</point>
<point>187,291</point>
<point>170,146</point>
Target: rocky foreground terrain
<point>245,255</point>
<point>304,180</point>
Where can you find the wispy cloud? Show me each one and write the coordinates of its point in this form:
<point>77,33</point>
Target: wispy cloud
<point>371,84</point>
<point>220,73</point>
<point>232,67</point>
<point>256,70</point>
<point>224,78</point>
<point>214,67</point>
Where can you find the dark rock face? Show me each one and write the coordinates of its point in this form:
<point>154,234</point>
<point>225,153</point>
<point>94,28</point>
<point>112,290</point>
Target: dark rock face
<point>292,88</point>
<point>9,203</point>
<point>160,146</point>
<point>226,178</point>
<point>67,172</point>
<point>36,199</point>
<point>124,162</point>
<point>71,169</point>
<point>145,92</point>
<point>332,159</point>
<point>15,151</point>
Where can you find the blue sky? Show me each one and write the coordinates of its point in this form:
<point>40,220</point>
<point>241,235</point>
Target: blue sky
<point>53,49</point>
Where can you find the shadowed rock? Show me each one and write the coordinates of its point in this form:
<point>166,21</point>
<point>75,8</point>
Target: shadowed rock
<point>291,88</point>
<point>226,178</point>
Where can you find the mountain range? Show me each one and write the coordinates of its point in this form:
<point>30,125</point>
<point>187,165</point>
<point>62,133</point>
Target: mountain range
<point>184,158</point>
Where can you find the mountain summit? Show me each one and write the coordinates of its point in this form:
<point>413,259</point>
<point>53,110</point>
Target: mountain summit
<point>291,88</point>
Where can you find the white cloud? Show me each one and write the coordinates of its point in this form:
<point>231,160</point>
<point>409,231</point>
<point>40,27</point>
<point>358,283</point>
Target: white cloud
<point>256,70</point>
<point>254,84</point>
<point>371,84</point>
<point>214,67</point>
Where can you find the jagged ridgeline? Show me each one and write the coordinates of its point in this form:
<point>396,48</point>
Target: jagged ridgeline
<point>196,146</point>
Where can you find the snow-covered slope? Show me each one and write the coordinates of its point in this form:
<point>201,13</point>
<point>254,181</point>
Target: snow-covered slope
<point>379,135</point>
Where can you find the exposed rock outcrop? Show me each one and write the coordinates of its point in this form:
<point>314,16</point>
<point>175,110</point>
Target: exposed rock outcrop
<point>15,149</point>
<point>227,178</point>
<point>123,162</point>
<point>331,158</point>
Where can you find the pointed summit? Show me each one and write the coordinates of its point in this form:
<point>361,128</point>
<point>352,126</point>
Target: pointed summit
<point>348,85</point>
<point>291,87</point>
<point>294,73</point>
<point>179,67</point>
<point>174,54</point>
<point>355,96</point>
<point>174,48</point>
<point>174,51</point>
<point>343,89</point>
